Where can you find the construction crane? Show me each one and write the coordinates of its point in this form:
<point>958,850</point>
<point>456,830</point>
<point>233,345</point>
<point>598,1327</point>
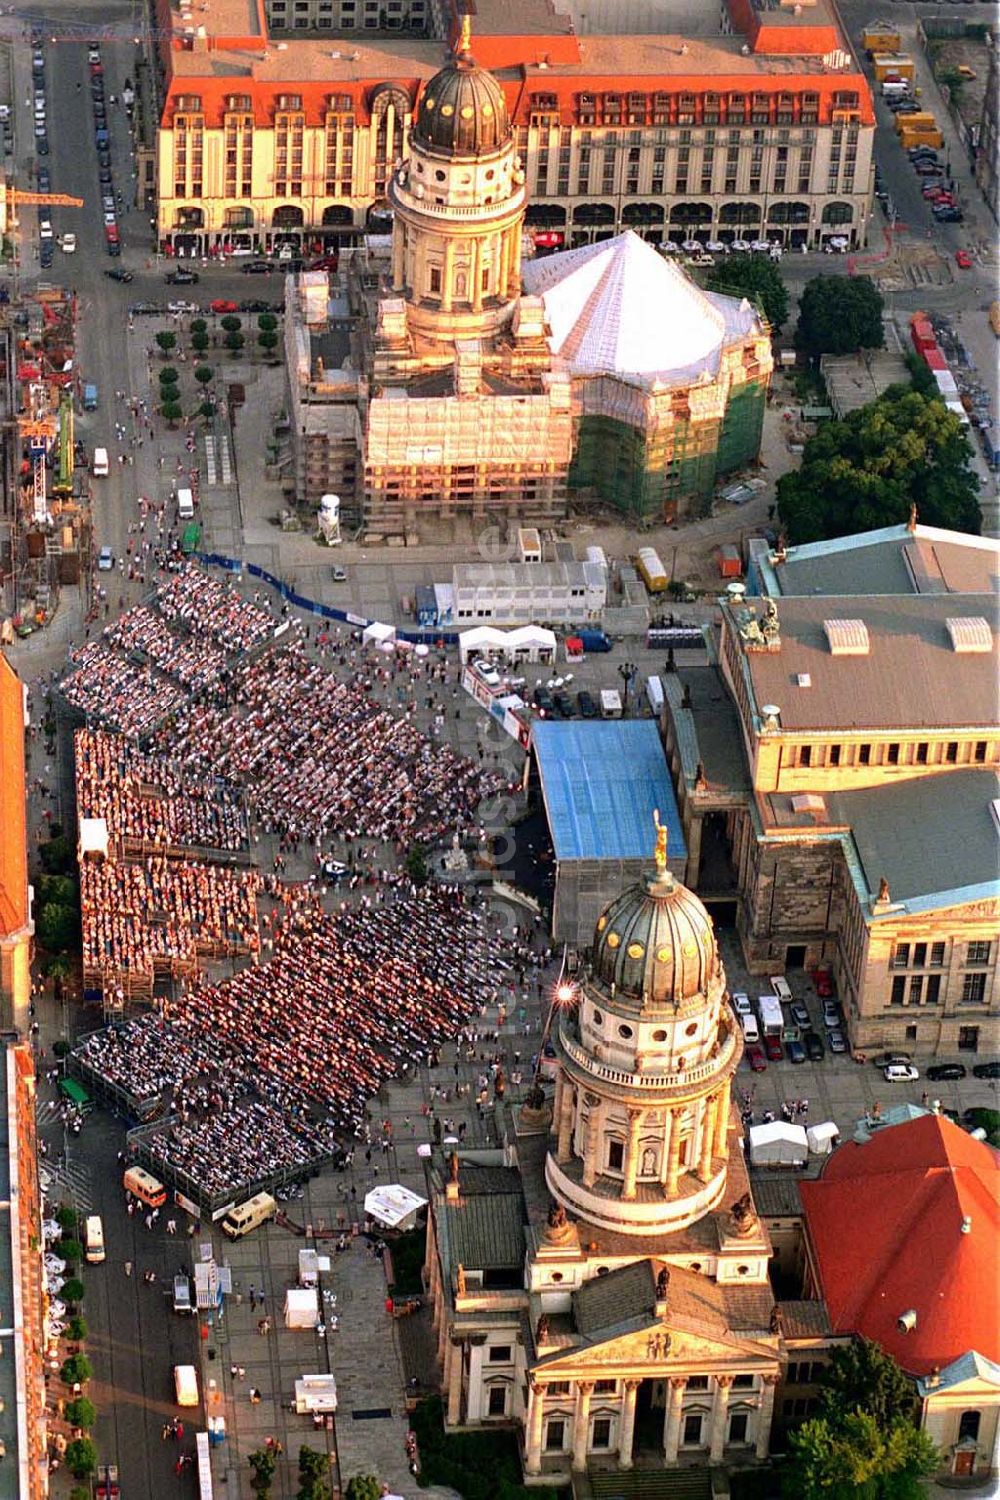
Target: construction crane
<point>59,200</point>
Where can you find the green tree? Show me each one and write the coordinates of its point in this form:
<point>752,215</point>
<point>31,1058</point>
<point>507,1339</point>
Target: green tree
<point>862,1377</point>
<point>169,375</point>
<point>314,1475</point>
<point>171,412</point>
<point>61,889</point>
<point>838,314</point>
<point>76,1331</point>
<point>856,1458</point>
<point>416,864</point>
<point>985,1119</point>
<point>57,855</point>
<point>199,325</point>
<point>59,967</point>
<point>231,323</point>
<point>71,1251</point>
<point>263,1463</point>
<point>81,1413</point>
<point>267,340</point>
<point>72,1290</point>
<point>75,1370</point>
<point>363,1487</point>
<point>57,927</point>
<point>166,341</point>
<point>234,342</point>
<point>756,277</point>
<point>81,1457</point>
<point>80,1492</point>
<point>66,1217</point>
<point>204,374</point>
<point>200,342</point>
<point>867,471</point>
<point>267,322</point>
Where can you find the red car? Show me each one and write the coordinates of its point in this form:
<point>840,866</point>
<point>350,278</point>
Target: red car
<point>223,305</point>
<point>963,260</point>
<point>823,980</point>
<point>772,1047</point>
<point>756,1059</point>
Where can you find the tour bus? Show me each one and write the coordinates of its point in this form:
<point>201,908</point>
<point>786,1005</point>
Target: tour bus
<point>247,1216</point>
<point>93,1236</point>
<point>186,1385</point>
<point>143,1185</point>
<point>651,570</point>
<point>100,466</point>
<point>185,504</point>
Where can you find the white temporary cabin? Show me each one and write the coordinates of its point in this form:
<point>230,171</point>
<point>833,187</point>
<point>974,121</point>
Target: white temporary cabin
<point>315,1393</point>
<point>301,1307</point>
<point>823,1137</point>
<point>394,1206</point>
<point>377,634</point>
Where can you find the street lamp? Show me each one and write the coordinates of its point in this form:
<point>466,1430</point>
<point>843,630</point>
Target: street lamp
<point>562,998</point>
<point>627,671</point>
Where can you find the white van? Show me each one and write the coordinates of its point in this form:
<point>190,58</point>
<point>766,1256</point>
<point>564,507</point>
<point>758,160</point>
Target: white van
<point>100,465</point>
<point>186,1385</point>
<point>751,1031</point>
<point>185,505</point>
<point>93,1240</point>
<point>257,1210</point>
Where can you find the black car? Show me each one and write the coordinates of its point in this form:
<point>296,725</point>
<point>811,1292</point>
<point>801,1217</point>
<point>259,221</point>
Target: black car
<point>542,699</point>
<point>42,145</point>
<point>255,305</point>
<point>119,273</point>
<point>258,268</point>
<point>942,1072</point>
<point>104,159</point>
<point>949,216</point>
<point>182,277</point>
<point>585,703</point>
<point>45,254</point>
<point>795,1052</point>
<point>44,180</point>
<point>986,1070</point>
<point>105,178</point>
<point>564,707</point>
<point>114,247</point>
<point>814,1046</point>
<point>152,308</point>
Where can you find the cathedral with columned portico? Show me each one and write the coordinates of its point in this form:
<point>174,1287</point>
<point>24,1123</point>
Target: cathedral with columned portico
<point>603,1281</point>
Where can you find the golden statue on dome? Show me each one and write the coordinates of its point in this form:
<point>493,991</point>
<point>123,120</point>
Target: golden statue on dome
<point>660,851</point>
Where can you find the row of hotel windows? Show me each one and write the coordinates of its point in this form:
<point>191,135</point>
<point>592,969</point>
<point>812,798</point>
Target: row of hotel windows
<point>919,753</point>
<point>912,991</point>
<point>932,955</point>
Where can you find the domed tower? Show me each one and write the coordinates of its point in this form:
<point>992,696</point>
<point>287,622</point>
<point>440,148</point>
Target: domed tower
<point>458,205</point>
<point>645,1066</point>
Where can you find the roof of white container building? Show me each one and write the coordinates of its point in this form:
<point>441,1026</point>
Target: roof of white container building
<point>619,308</point>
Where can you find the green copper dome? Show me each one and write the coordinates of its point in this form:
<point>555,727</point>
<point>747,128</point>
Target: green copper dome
<point>655,944</point>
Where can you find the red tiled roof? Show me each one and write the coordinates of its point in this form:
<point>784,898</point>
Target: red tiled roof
<point>13,820</point>
<point>885,1220</point>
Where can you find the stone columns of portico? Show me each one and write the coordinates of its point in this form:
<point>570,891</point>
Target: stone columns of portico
<point>765,1415</point>
<point>581,1423</point>
<point>475,275</point>
<point>626,1430</point>
<point>447,286</point>
<point>720,1414</point>
<point>635,1119</point>
<point>536,1412</point>
<point>676,1386</point>
<point>722,1119</point>
<point>398,251</point>
<point>707,1139</point>
<point>454,1374</point>
<point>590,1147</point>
<point>674,1164</point>
<point>564,1123</point>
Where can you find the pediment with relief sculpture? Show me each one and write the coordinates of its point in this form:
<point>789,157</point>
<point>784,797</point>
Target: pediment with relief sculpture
<point>654,1348</point>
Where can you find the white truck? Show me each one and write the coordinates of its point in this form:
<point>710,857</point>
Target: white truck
<point>772,1022</point>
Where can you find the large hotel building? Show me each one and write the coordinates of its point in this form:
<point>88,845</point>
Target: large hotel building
<point>281,120</point>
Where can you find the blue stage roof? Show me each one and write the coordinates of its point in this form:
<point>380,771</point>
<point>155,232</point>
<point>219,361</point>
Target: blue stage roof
<point>601,782</point>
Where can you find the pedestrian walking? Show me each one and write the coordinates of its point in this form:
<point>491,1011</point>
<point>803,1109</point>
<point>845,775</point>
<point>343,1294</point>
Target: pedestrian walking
<point>128,1268</point>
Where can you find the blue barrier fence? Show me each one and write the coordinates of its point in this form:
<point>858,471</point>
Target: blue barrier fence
<point>311,606</point>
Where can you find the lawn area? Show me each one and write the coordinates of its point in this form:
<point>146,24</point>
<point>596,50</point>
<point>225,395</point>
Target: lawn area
<point>480,1465</point>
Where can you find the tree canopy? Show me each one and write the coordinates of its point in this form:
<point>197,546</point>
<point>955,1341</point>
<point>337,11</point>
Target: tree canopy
<point>867,471</point>
<point>838,314</point>
<point>862,1377</point>
<point>756,277</point>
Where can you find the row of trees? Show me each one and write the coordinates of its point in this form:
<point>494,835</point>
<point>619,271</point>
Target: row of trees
<point>837,314</point>
<point>232,327</point>
<point>314,1477</point>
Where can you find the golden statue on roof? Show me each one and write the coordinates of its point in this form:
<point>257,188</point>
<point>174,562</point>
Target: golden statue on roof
<point>660,851</point>
<point>465,35</point>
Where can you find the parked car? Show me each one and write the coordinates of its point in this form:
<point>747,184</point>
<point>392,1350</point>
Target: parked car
<point>796,1052</point>
<point>799,1013</point>
<point>832,1014</point>
<point>181,276</point>
<point>836,1041</point>
<point>255,305</point>
<point>986,1070</point>
<point>542,700</point>
<point>141,309</point>
<point>564,708</point>
<point>949,215</point>
<point>963,260</point>
<point>900,1073</point>
<point>924,168</point>
<point>772,1048</point>
<point>814,1046</point>
<point>339,573</point>
<point>944,1072</point>
<point>222,305</point>
<point>755,1057</point>
<point>586,704</point>
<point>741,1003</point>
<point>105,560</point>
<point>257,268</point>
<point>890,1059</point>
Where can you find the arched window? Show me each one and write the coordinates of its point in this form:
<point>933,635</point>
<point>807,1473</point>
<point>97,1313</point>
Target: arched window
<point>968,1426</point>
<point>838,213</point>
